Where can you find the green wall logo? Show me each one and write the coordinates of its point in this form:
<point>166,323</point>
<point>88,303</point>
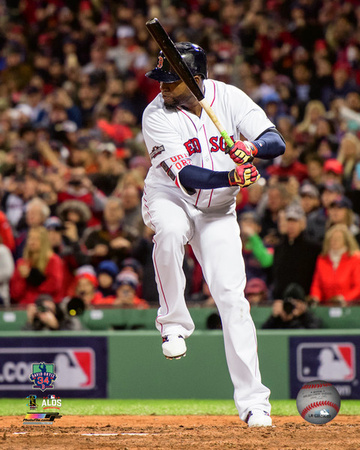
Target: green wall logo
<point>43,376</point>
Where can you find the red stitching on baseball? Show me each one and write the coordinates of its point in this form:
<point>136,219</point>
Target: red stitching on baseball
<point>317,405</point>
<point>314,386</point>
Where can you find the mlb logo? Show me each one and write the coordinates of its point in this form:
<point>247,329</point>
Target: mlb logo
<point>330,361</point>
<point>75,369</point>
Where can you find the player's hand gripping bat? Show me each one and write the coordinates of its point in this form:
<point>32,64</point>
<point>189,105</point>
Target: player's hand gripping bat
<point>173,56</point>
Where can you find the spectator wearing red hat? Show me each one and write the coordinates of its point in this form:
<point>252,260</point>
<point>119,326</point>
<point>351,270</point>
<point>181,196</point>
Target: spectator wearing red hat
<point>86,284</point>
<point>336,277</point>
<point>333,171</point>
<point>257,292</point>
<point>343,83</point>
<point>39,271</point>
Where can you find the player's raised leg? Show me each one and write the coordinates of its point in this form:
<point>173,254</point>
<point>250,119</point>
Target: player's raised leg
<point>172,230</point>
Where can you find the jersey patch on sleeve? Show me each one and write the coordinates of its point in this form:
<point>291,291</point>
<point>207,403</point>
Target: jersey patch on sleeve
<point>157,150</point>
<point>174,164</point>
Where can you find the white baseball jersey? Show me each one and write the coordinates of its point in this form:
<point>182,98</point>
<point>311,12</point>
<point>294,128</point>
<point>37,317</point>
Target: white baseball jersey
<point>175,138</point>
<point>207,221</point>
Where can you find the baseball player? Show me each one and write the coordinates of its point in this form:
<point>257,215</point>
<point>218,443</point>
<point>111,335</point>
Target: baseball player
<point>189,197</point>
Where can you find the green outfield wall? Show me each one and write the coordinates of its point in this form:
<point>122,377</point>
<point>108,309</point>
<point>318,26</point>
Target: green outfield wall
<point>132,365</point>
<point>129,319</point>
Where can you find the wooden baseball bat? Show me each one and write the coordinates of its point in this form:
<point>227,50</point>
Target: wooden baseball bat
<point>173,56</point>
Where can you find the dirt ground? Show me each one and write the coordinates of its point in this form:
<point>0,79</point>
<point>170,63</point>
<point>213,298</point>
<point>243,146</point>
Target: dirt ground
<point>178,432</point>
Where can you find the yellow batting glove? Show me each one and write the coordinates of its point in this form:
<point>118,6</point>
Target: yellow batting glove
<point>243,175</point>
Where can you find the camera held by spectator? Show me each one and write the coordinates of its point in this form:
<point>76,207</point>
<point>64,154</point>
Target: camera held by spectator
<point>45,314</point>
<point>292,311</point>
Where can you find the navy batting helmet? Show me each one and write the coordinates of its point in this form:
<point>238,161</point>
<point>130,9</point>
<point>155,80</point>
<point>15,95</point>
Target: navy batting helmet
<point>194,57</point>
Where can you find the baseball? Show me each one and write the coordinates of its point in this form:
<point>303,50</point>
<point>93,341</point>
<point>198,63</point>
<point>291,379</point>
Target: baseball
<point>318,402</point>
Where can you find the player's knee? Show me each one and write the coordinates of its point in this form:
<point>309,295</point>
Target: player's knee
<point>172,235</point>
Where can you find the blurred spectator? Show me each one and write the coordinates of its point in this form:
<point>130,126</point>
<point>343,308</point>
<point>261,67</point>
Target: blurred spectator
<point>257,256</point>
<point>6,234</point>
<point>316,221</point>
<point>45,314</point>
<point>110,169</point>
<point>340,212</point>
<point>336,278</point>
<point>273,202</point>
<point>127,54</point>
<point>309,198</point>
<point>74,212</point>
<point>126,284</point>
<point>131,202</point>
<point>310,203</point>
<point>257,292</point>
<point>343,83</point>
<point>64,241</point>
<point>289,164</point>
<point>314,164</point>
<point>16,73</point>
<point>202,298</point>
<point>79,187</point>
<point>292,311</point>
<point>142,251</point>
<point>36,212</point>
<point>106,274</point>
<point>110,240</point>
<point>39,271</point>
<point>349,156</point>
<point>133,265</point>
<point>333,171</point>
<point>295,256</point>
<point>86,284</point>
<point>254,193</point>
<point>306,129</point>
<point>6,272</point>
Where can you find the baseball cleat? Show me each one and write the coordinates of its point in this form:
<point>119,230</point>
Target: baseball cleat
<point>173,346</point>
<point>258,419</point>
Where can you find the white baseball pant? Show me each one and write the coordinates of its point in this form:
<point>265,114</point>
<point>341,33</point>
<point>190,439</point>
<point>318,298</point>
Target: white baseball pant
<point>215,238</point>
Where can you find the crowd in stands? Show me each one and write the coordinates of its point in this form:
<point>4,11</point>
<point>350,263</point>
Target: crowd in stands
<point>73,161</point>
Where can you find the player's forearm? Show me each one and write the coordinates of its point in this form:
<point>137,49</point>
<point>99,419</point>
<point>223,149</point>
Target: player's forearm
<point>269,145</point>
<point>194,177</point>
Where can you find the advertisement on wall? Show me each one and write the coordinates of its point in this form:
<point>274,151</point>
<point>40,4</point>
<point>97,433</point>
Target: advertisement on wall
<point>332,359</point>
<point>75,367</point>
